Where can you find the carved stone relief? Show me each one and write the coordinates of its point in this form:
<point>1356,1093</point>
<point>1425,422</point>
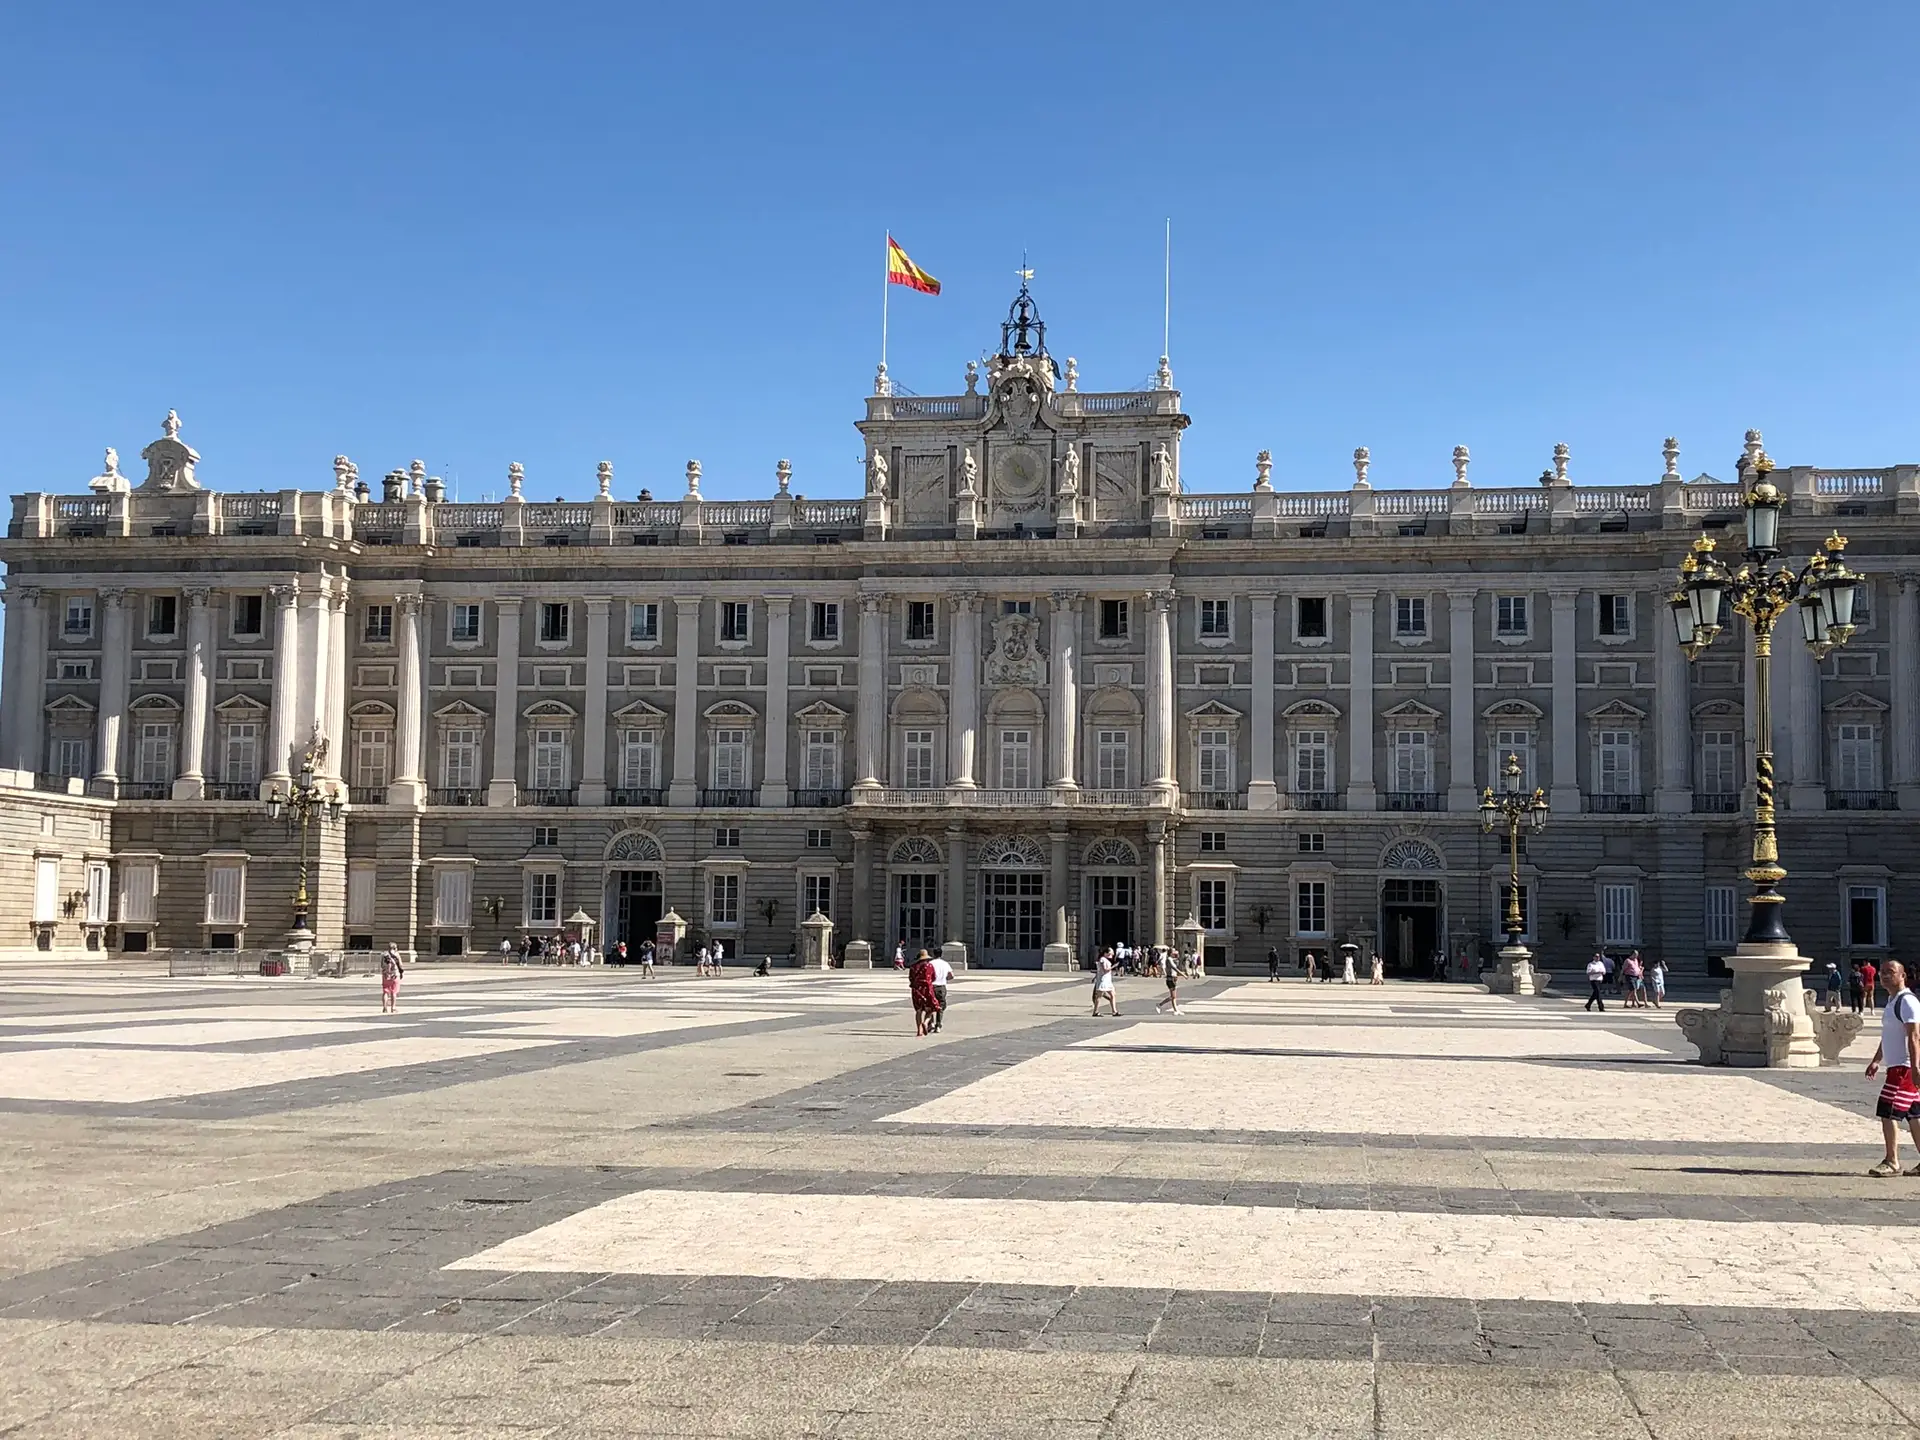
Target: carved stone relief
<point>1020,481</point>
<point>923,489</point>
<point>1016,652</point>
<point>1116,484</point>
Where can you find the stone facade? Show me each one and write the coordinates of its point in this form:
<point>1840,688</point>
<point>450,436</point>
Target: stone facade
<point>1031,692</point>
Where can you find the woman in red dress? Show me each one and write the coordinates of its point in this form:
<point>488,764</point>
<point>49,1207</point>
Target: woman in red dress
<point>926,1004</point>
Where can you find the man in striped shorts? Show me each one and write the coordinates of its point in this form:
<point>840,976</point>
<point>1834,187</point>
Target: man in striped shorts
<point>1899,1040</point>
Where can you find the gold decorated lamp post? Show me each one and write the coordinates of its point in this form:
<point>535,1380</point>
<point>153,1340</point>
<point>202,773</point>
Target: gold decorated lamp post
<point>306,802</point>
<point>1517,808</point>
<point>1763,1020</point>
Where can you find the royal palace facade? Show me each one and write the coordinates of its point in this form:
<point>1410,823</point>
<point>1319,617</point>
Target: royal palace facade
<point>1034,692</point>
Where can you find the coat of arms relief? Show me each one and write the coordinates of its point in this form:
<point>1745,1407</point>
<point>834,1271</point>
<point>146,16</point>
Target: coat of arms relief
<point>1015,660</point>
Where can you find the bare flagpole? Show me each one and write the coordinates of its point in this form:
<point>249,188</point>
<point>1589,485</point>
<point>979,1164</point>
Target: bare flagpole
<point>1166,292</point>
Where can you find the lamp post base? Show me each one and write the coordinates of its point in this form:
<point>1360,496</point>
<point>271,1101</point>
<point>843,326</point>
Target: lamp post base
<point>1512,973</point>
<point>1762,1021</point>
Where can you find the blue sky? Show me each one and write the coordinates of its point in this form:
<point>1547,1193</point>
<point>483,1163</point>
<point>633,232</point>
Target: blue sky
<point>559,234</point>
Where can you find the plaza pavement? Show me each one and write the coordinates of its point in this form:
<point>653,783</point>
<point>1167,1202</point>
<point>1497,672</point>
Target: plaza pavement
<point>572,1203</point>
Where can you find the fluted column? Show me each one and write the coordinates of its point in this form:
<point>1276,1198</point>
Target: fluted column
<point>775,788</point>
<point>1157,882</point>
<point>1160,782</point>
<point>1361,793</point>
<point>311,667</point>
<point>1460,719</point>
<point>286,674</point>
<point>13,671</point>
<point>1903,722</point>
<point>593,744</point>
<point>1565,794</point>
<point>963,718</point>
<point>335,659</point>
<point>191,784</point>
<point>115,662</point>
<point>503,784</point>
<point>1672,726</point>
<point>686,699</point>
<point>1262,793</point>
<point>869,736</point>
<point>956,914</point>
<point>408,786</point>
<point>1063,625</point>
<point>861,917</point>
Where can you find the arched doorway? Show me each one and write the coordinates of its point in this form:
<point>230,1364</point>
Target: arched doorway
<point>1112,868</point>
<point>914,866</point>
<point>1412,907</point>
<point>1013,898</point>
<point>633,897</point>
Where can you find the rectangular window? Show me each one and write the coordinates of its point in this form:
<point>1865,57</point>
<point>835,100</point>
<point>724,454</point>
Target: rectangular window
<point>361,891</point>
<point>1111,759</point>
<point>226,894</point>
<point>1413,761</point>
<point>139,888</point>
<point>546,837</point>
<point>550,759</point>
<point>379,629</point>
<point>1210,904</point>
<point>1856,757</point>
<point>818,839</point>
<point>916,755</point>
<point>1410,616</point>
<point>1616,769</point>
<point>726,837</point>
<point>820,760</point>
<point>460,759</point>
<point>1866,915</point>
<point>730,760</point>
<point>1216,760</point>
<point>734,619</point>
<point>1616,615</point>
<point>1312,842</point>
<point>920,620</point>
<point>640,759</point>
<point>1016,759</point>
<point>1510,615</point>
<point>543,897</point>
<point>1213,842</point>
<point>1016,607</point>
<point>1310,909</point>
<point>816,895</point>
<point>453,898</point>
<point>1113,619</point>
<point>1310,617</point>
<point>249,614</point>
<point>1721,906</point>
<point>46,890</point>
<point>79,617</point>
<point>723,905</point>
<point>76,669</point>
<point>1312,767</point>
<point>154,760</point>
<point>69,757</point>
<point>1519,744</point>
<point>464,624</point>
<point>240,754</point>
<point>643,622</point>
<point>556,621</point>
<point>96,892</point>
<point>1216,619</point>
<point>1619,914</point>
<point>370,759</point>
<point>163,615</point>
<point>823,622</point>
<point>1719,762</point>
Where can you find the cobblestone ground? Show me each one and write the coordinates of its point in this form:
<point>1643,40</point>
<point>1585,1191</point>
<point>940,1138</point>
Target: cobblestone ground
<point>577,1203</point>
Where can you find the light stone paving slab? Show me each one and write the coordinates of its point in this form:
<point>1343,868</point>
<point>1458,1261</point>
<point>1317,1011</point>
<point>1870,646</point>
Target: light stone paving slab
<point>203,1032</point>
<point>1191,1247</point>
<point>1172,1091</point>
<point>583,1022</point>
<point>1386,1041</point>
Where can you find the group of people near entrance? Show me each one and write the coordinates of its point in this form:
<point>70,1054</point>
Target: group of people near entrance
<point>1863,985</point>
<point>1640,984</point>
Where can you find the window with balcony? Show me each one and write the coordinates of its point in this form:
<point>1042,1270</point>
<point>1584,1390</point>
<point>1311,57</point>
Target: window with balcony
<point>69,756</point>
<point>460,758</point>
<point>729,759</point>
<point>1111,759</point>
<point>1615,770</point>
<point>240,753</point>
<point>1216,619</point>
<point>1310,909</point>
<point>821,760</point>
<point>370,753</point>
<point>379,627</point>
<point>552,764</point>
<point>556,622</point>
<point>1507,742</point>
<point>920,619</point>
<point>1210,903</point>
<point>643,622</point>
<point>1856,757</point>
<point>1016,759</point>
<point>639,759</point>
<point>153,759</point>
<point>1114,618</point>
<point>916,759</point>
<point>463,623</point>
<point>1215,768</point>
<point>163,616</point>
<point>1720,762</point>
<point>823,622</point>
<point>1412,752</point>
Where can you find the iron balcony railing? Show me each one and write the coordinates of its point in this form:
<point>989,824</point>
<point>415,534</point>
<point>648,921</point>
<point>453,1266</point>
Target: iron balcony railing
<point>638,795</point>
<point>1704,804</point>
<point>1415,800</point>
<point>811,798</point>
<point>1617,804</point>
<point>549,795</point>
<point>1862,800</point>
<point>457,796</point>
<point>728,799</point>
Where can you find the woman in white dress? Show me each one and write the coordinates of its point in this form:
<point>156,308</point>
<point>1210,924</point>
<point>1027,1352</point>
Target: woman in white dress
<point>1379,971</point>
<point>1347,976</point>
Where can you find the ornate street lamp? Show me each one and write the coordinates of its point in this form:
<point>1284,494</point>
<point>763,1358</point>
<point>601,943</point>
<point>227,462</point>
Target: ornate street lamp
<point>1764,1022</point>
<point>1517,808</point>
<point>305,801</point>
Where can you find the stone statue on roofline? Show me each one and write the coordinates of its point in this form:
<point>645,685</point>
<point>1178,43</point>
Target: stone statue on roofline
<point>111,481</point>
<point>170,460</point>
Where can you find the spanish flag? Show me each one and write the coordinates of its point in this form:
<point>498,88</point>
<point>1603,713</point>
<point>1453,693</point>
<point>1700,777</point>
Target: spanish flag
<point>902,271</point>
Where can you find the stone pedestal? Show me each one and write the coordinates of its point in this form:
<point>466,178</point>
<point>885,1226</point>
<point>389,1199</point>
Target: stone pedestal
<point>1762,1021</point>
<point>955,954</point>
<point>1056,957</point>
<point>857,956</point>
<point>1512,973</point>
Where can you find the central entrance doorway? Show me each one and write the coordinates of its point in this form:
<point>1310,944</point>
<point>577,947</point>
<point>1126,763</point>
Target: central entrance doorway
<point>1013,918</point>
<point>1409,925</point>
<point>916,922</point>
<point>1112,906</point>
<point>637,904</point>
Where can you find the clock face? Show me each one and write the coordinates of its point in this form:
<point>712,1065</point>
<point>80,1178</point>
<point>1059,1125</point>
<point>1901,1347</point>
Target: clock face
<point>1019,476</point>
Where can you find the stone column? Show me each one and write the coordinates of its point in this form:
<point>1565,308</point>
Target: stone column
<point>281,735</point>
<point>116,660</point>
<point>408,786</point>
<point>1157,882</point>
<point>311,669</point>
<point>775,789</point>
<point>686,700</point>
<point>1063,626</point>
<point>1461,721</point>
<point>32,674</point>
<point>593,743</point>
<point>858,954</point>
<point>1361,793</point>
<point>1672,725</point>
<point>1262,793</point>
<point>955,950</point>
<point>1903,722</point>
<point>503,783</point>
<point>963,716</point>
<point>12,672</point>
<point>870,726</point>
<point>1800,742</point>
<point>1058,954</point>
<point>1565,793</point>
<point>191,784</point>
<point>336,660</point>
<point>1161,784</point>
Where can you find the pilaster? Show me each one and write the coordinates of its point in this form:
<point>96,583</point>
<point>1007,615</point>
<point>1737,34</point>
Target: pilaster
<point>115,663</point>
<point>1565,720</point>
<point>682,791</point>
<point>775,789</point>
<point>286,670</point>
<point>963,715</point>
<point>870,728</point>
<point>1903,721</point>
<point>191,784</point>
<point>593,743</point>
<point>1673,727</point>
<point>1460,719</point>
<point>1162,787</point>
<point>1063,625</point>
<point>503,788</point>
<point>1262,793</point>
<point>1361,792</point>
<point>408,786</point>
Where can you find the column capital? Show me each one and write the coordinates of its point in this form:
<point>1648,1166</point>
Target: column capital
<point>28,594</point>
<point>1065,599</point>
<point>1562,597</point>
<point>1161,600</point>
<point>964,601</point>
<point>1370,594</point>
<point>409,604</point>
<point>684,603</point>
<point>337,600</point>
<point>113,597</point>
<point>1267,595</point>
<point>509,602</point>
<point>1456,592</point>
<point>198,596</point>
<point>599,602</point>
<point>871,601</point>
<point>285,596</point>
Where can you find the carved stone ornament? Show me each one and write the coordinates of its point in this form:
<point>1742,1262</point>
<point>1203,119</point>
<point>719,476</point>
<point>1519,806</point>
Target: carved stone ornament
<point>170,460</point>
<point>1162,471</point>
<point>877,476</point>
<point>1016,653</point>
<point>111,481</point>
<point>1362,459</point>
<point>1070,475</point>
<point>605,478</point>
<point>1020,387</point>
<point>969,474</point>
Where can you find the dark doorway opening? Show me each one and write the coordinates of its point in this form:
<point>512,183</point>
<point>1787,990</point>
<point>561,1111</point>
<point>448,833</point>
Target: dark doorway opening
<point>1112,910</point>
<point>1409,926</point>
<point>637,906</point>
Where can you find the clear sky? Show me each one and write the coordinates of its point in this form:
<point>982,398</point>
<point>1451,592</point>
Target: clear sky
<point>562,233</point>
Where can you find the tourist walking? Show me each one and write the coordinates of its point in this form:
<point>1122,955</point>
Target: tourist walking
<point>646,959</point>
<point>1856,988</point>
<point>1657,973</point>
<point>1633,980</point>
<point>719,955</point>
<point>1173,991</point>
<point>1378,966</point>
<point>390,972</point>
<point>942,977</point>
<point>1869,981</point>
<point>1103,984</point>
<point>1832,1001</point>
<point>926,1005</point>
<point>1346,964</point>
<point>900,955</point>
<point>1273,964</point>
<point>1899,1096</point>
<point>702,958</point>
<point>1596,977</point>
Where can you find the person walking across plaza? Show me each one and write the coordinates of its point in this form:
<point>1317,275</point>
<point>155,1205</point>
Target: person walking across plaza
<point>1833,983</point>
<point>646,959</point>
<point>1103,983</point>
<point>926,1005</point>
<point>1378,967</point>
<point>1657,974</point>
<point>1870,983</point>
<point>1273,964</point>
<point>1347,976</point>
<point>1899,1096</point>
<point>1633,981</point>
<point>1596,977</point>
<point>1173,991</point>
<point>942,977</point>
<point>1856,989</point>
<point>390,972</point>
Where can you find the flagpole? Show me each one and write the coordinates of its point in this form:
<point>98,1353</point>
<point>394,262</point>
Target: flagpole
<point>886,293</point>
<point>1166,292</point>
